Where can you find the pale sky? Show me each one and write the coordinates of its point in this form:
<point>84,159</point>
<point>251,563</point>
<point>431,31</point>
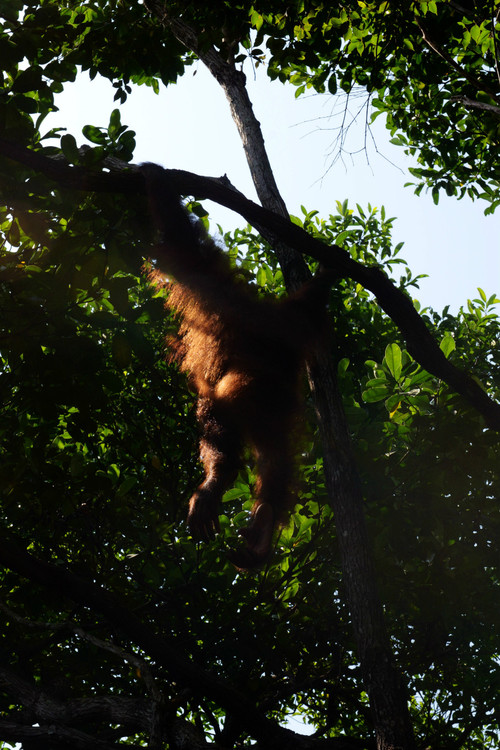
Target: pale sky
<point>188,126</point>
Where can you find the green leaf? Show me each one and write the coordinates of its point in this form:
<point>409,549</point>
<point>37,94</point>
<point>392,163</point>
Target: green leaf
<point>233,494</point>
<point>332,84</point>
<point>261,276</point>
<point>343,365</point>
<point>115,125</point>
<point>28,80</point>
<point>128,484</point>
<point>69,148</point>
<point>94,134</point>
<point>447,345</point>
<point>339,239</point>
<point>393,403</point>
<point>475,32</point>
<point>256,19</point>
<point>376,393</point>
<point>393,360</point>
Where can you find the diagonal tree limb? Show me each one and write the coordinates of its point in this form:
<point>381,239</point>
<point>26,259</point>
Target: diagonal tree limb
<point>395,303</point>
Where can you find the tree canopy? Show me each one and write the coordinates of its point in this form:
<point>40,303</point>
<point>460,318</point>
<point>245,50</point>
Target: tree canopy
<point>377,621</point>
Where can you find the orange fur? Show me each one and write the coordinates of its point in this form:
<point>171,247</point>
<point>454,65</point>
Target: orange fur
<point>243,356</point>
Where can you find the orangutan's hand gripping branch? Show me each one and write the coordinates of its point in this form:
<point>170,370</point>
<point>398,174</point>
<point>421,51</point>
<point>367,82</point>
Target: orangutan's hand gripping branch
<point>244,357</point>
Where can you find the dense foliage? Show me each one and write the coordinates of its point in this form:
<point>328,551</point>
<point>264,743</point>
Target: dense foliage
<point>98,440</point>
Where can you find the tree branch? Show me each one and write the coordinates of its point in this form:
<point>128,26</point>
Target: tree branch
<point>56,736</point>
<point>233,83</point>
<point>185,735</point>
<point>38,706</point>
<point>154,713</point>
<point>473,104</point>
<point>476,82</point>
<point>393,301</point>
<point>55,718</point>
<point>164,651</point>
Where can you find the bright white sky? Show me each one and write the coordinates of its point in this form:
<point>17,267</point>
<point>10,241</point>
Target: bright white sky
<point>188,126</point>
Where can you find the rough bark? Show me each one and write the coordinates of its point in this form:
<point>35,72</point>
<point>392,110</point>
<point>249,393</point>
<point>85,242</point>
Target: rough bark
<point>50,737</point>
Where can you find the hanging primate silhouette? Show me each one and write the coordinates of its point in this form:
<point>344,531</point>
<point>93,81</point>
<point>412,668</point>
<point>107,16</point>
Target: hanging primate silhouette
<point>244,356</point>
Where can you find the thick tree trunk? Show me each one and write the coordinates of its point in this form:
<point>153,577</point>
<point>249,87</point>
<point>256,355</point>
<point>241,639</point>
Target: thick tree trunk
<point>382,681</point>
<point>385,688</point>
